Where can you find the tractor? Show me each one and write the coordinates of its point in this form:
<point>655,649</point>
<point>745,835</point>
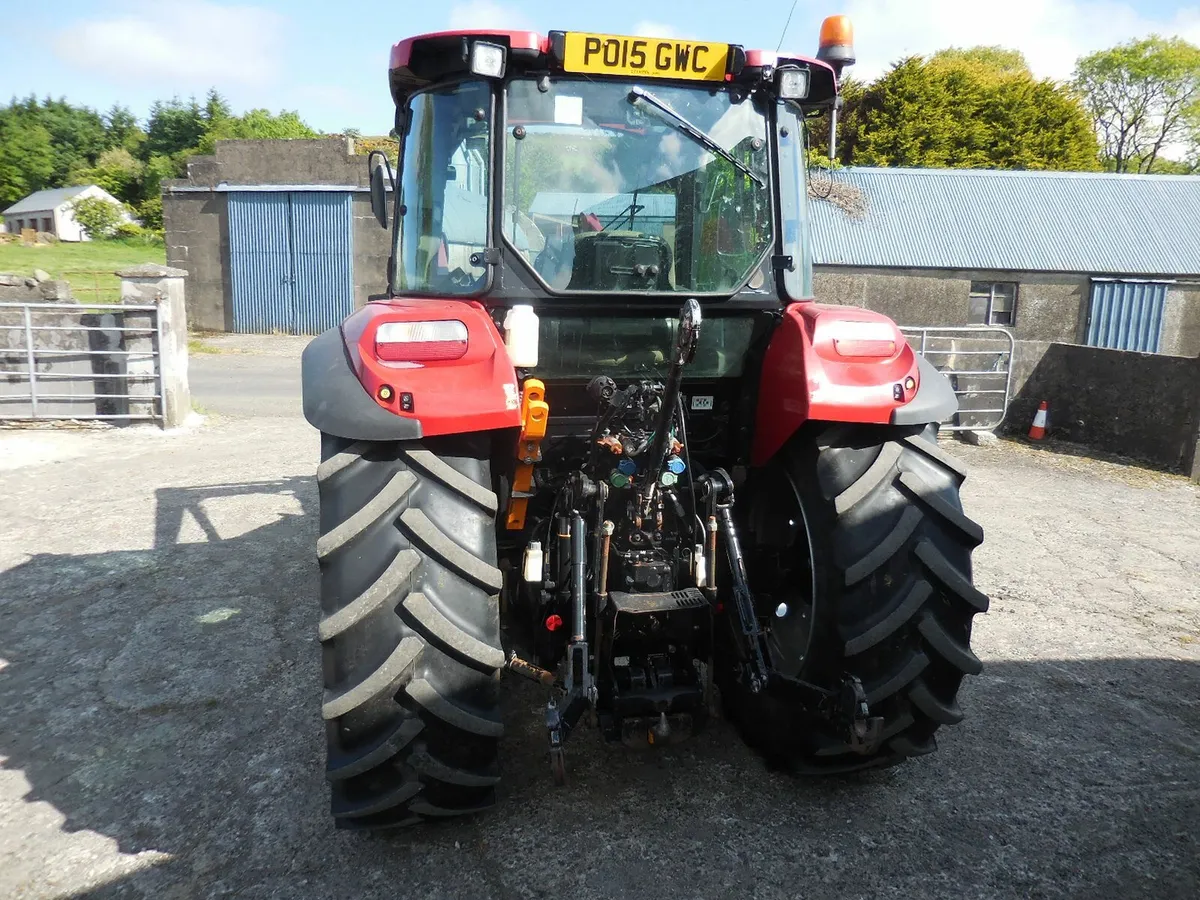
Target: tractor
<point>599,433</point>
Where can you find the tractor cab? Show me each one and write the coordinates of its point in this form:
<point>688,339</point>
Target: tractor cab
<point>602,180</point>
<point>574,167</point>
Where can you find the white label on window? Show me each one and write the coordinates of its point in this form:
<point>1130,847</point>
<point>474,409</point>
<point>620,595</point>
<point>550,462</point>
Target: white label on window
<point>699,402</point>
<point>568,110</point>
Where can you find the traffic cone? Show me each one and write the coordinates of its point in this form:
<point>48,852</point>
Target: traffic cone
<point>1037,431</point>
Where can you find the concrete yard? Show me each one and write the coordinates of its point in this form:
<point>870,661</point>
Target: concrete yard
<point>161,736</point>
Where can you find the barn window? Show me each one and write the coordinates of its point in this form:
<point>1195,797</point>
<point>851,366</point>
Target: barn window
<point>992,303</point>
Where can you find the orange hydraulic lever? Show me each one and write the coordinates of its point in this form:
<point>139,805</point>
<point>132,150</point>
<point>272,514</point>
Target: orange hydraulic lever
<point>535,413</point>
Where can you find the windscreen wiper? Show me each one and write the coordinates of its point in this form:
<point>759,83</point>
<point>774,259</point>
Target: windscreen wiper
<point>700,137</point>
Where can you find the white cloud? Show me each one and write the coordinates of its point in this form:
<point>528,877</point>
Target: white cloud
<point>182,46</point>
<point>1051,33</point>
<point>648,28</point>
<point>487,14</point>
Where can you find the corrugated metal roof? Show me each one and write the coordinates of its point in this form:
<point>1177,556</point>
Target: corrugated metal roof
<point>39,201</point>
<point>1091,223</point>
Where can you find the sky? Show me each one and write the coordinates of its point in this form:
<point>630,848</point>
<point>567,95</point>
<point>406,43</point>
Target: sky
<point>328,60</point>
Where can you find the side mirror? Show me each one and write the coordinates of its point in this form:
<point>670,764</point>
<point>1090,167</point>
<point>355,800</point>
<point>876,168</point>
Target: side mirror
<point>379,187</point>
<point>689,332</point>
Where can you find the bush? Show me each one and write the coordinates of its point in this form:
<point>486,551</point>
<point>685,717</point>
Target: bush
<point>150,211</point>
<point>129,230</point>
<point>100,218</point>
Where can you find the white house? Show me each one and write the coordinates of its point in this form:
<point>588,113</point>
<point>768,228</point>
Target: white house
<point>50,211</point>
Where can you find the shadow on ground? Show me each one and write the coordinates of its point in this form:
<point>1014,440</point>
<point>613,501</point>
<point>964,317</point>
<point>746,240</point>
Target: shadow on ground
<point>169,699</point>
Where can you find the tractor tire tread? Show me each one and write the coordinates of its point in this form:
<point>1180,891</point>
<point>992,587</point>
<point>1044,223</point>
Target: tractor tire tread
<point>901,613</point>
<point>342,460</point>
<point>441,471</point>
<point>384,589</point>
<point>939,640</point>
<point>972,531</point>
<point>387,747</point>
<point>374,511</point>
<point>446,551</point>
<point>862,487</point>
<point>950,578</point>
<point>427,696</point>
<point>434,622</point>
<point>339,702</point>
<point>885,549</point>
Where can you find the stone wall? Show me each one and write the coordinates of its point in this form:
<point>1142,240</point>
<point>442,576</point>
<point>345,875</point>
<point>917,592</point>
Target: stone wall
<point>195,216</point>
<point>1145,406</point>
<point>1050,307</point>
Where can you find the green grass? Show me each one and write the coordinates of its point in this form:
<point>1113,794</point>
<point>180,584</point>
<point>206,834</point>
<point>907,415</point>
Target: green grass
<point>199,345</point>
<point>89,266</point>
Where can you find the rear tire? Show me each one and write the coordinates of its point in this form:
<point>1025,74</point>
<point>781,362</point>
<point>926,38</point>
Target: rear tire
<point>879,587</point>
<point>410,629</point>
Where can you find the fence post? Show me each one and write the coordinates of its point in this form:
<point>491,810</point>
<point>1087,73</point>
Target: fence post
<point>161,286</point>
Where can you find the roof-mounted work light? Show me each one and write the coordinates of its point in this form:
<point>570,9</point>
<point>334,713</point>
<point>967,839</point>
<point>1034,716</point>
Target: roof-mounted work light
<point>487,59</point>
<point>836,46</point>
<point>793,83</point>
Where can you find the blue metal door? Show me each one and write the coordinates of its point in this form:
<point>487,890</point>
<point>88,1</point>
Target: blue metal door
<point>290,260</point>
<point>1127,315</point>
<point>260,262</point>
<point>324,283</point>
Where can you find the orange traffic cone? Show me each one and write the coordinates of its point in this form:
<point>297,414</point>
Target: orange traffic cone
<point>1038,430</point>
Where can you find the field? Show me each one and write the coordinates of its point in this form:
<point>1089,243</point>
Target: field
<point>88,266</point>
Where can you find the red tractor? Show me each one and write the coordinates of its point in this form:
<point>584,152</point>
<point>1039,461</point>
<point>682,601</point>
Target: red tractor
<point>599,433</point>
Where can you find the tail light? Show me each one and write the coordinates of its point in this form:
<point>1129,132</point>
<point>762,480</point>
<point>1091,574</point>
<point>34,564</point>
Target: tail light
<point>865,340</point>
<point>421,341</point>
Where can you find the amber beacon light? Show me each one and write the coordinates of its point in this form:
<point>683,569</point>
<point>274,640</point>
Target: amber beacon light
<point>836,46</point>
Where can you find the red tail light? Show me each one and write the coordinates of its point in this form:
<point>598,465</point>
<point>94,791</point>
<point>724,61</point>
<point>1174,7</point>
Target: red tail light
<point>864,340</point>
<point>421,341</point>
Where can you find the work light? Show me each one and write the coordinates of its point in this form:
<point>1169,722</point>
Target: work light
<point>487,60</point>
<point>793,84</point>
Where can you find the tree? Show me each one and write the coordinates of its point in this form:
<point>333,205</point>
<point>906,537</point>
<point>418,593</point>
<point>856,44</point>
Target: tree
<point>117,171</point>
<point>995,59</point>
<point>1144,96</point>
<point>122,130</point>
<point>98,217</point>
<point>973,108</point>
<point>256,124</point>
<point>26,159</point>
<point>173,126</point>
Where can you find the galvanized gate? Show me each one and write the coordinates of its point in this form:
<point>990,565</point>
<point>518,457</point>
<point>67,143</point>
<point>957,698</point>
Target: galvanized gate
<point>73,361</point>
<point>1126,314</point>
<point>978,362</point>
<point>290,257</point>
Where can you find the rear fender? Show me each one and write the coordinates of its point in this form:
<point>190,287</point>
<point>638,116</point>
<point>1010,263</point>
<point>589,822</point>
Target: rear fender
<point>842,364</point>
<point>343,378</point>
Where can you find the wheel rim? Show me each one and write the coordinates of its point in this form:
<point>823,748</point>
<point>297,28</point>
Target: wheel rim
<point>785,572</point>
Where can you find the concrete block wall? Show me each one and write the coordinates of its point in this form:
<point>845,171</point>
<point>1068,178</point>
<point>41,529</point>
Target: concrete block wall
<point>197,236</point>
<point>1145,406</point>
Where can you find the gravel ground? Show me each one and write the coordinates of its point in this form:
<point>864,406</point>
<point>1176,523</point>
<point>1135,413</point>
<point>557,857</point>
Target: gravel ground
<point>161,737</point>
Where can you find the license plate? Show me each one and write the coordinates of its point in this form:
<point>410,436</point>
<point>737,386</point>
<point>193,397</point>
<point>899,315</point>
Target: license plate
<point>612,54</point>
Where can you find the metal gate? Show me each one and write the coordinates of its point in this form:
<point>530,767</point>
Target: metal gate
<point>290,260</point>
<point>74,361</point>
<point>1126,314</point>
<point>978,362</point>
